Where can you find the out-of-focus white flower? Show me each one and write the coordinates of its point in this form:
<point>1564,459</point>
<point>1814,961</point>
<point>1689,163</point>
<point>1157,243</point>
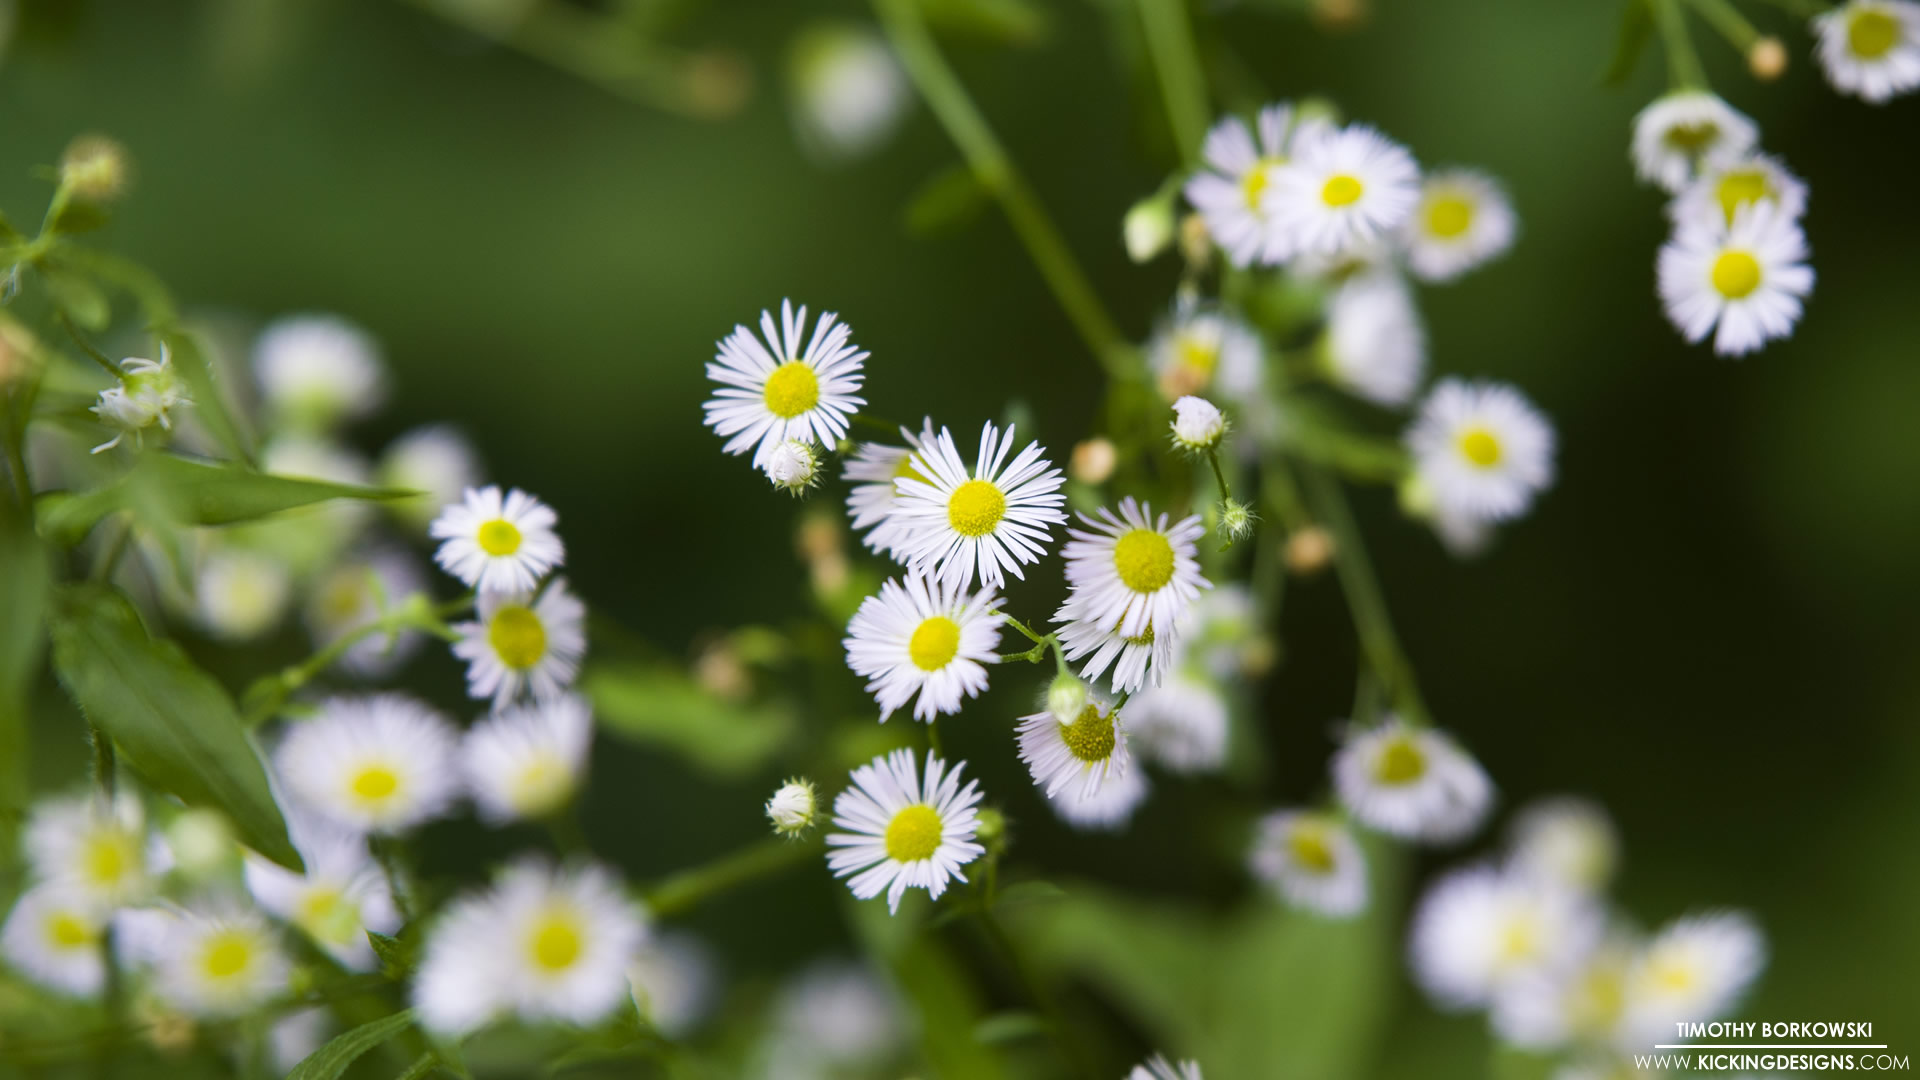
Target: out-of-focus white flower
<point>1464,219</point>
<point>438,461</point>
<point>848,91</point>
<point>904,830</point>
<point>91,850</point>
<point>1716,196</point>
<point>1411,782</point>
<point>1478,931</point>
<point>241,593</point>
<point>1310,860</point>
<point>1565,839</point>
<point>1230,192</point>
<point>788,386</point>
<point>220,960</point>
<point>340,897</point>
<point>52,936</point>
<point>527,762</point>
<point>871,471</point>
<point>1181,724</point>
<point>380,763</point>
<point>1202,350</point>
<point>1342,189</point>
<point>523,643</point>
<point>295,1036</point>
<point>1375,346</point>
<point>1482,450</point>
<point>1685,130</point>
<point>1871,48</point>
<point>147,394</point>
<point>317,370</point>
<point>1106,810</point>
<point>1695,969</point>
<point>498,543</point>
<point>359,591</point>
<point>1749,279</point>
<point>1158,1067</point>
<point>838,1015</point>
<point>672,980</point>
<point>1584,1004</point>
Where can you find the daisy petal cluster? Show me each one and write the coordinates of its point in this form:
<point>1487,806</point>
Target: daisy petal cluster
<point>785,384</point>
<point>1481,454</point>
<point>926,641</point>
<point>1870,48</point>
<point>957,524</point>
<point>1311,861</point>
<point>1411,782</point>
<point>904,829</point>
<point>381,763</point>
<point>1133,577</point>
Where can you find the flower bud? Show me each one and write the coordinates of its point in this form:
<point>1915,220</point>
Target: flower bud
<point>1197,425</point>
<point>1309,550</point>
<point>201,842</point>
<point>793,808</point>
<point>793,466</point>
<point>95,168</point>
<point>1767,59</point>
<point>147,395</point>
<point>1236,521</point>
<point>1149,226</point>
<point>990,829</point>
<point>1066,697</point>
<point>1092,461</point>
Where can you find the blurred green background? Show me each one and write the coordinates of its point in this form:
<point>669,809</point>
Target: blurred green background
<point>1709,624</point>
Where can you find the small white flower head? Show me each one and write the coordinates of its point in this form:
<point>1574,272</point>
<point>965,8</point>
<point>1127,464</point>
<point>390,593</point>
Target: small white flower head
<point>1482,450</point>
<point>542,943</point>
<point>52,936</point>
<point>1106,810</point>
<point>147,394</point>
<point>1138,661</point>
<point>1086,753</point>
<point>1696,968</point>
<point>793,466</point>
<point>1716,197</point>
<point>672,980</point>
<point>927,638</point>
<point>437,460</point>
<point>1871,48</point>
<point>90,850</point>
<point>848,91</point>
<point>793,808</point>
<point>1197,425</point>
<point>1230,192</point>
<point>200,843</point>
<point>1375,346</point>
<point>1685,130</point>
<point>904,830</point>
<point>498,543</point>
<point>1749,279</point>
<point>317,370</point>
<point>359,591</point>
<point>1133,572</point>
<point>835,1015</point>
<point>220,960</point>
<point>1202,350</point>
<point>1565,839</point>
<point>380,763</point>
<point>523,644</point>
<point>1479,931</point>
<point>240,593</point>
<point>1311,861</point>
<point>1066,696</point>
<point>1180,724</point>
<point>1464,219</point>
<point>1158,1067</point>
<point>787,387</point>
<point>1345,188</point>
<point>341,896</point>
<point>870,471</point>
<point>527,761</point>
<point>1148,229</point>
<point>1411,782</point>
<point>958,525</point>
<point>1583,1004</point>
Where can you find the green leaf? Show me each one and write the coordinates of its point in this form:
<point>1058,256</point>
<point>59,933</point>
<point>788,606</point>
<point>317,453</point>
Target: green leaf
<point>331,1061</point>
<point>190,363</point>
<point>947,200</point>
<point>662,706</point>
<point>171,720</point>
<point>1636,29</point>
<point>165,489</point>
<point>24,580</point>
<point>1009,22</point>
<point>397,954</point>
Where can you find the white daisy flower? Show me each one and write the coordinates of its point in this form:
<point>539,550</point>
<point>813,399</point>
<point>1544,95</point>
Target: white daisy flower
<point>1197,424</point>
<point>1482,449</point>
<point>1137,661</point>
<point>834,1015</point>
<point>240,593</point>
<point>1202,350</point>
<point>1871,48</point>
<point>1584,1004</point>
<point>1230,192</point>
<point>1714,199</point>
<point>147,394</point>
<point>381,763</point>
<point>1310,860</point>
<point>1180,724</point>
<point>1411,782</point>
<point>1686,129</point>
<point>1225,633</point>
<point>793,807</point>
<point>1106,810</point>
<point>1464,219</point>
<point>542,943</point>
<point>1158,1067</point>
<point>316,370</point>
<point>1696,969</point>
<point>904,830</point>
<point>783,389</point>
<point>1565,839</point>
<point>1748,278</point>
<point>438,461</point>
<point>871,470</point>
<point>672,980</point>
<point>52,936</point>
<point>1375,346</point>
<point>926,638</point>
<point>1089,751</point>
<point>1478,931</point>
<point>498,543</point>
<point>522,643</point>
<point>848,91</point>
<point>296,1036</point>
<point>527,762</point>
<point>220,960</point>
<point>1344,188</point>
<point>956,525</point>
<point>90,850</point>
<point>342,895</point>
<point>793,466</point>
<point>1133,572</point>
<point>357,592</point>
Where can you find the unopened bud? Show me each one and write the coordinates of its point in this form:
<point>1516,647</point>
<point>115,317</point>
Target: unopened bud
<point>95,168</point>
<point>719,671</point>
<point>1149,226</point>
<point>1092,461</point>
<point>793,808</point>
<point>1767,59</point>
<point>1066,697</point>
<point>1309,550</point>
<point>990,829</point>
<point>793,466</point>
<point>1197,424</point>
<point>201,842</point>
<point>1236,521</point>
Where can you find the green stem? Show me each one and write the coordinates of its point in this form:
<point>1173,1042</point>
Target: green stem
<point>1220,478</point>
<point>1176,61</point>
<point>1037,639</point>
<point>688,889</point>
<point>1729,22</point>
<point>1683,63</point>
<point>271,692</point>
<point>104,770</point>
<point>995,171</point>
<point>86,346</point>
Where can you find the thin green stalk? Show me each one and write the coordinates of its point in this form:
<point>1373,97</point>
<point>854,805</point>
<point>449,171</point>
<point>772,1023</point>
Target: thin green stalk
<point>690,888</point>
<point>1683,63</point>
<point>273,690</point>
<point>933,737</point>
<point>1176,61</point>
<point>1732,25</point>
<point>995,172</point>
<point>1220,478</point>
<point>86,346</point>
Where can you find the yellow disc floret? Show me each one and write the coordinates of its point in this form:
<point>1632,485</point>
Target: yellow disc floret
<point>934,643</point>
<point>792,389</point>
<point>914,834</point>
<point>1693,138</point>
<point>1736,274</point>
<point>1091,736</point>
<point>375,782</point>
<point>554,941</point>
<point>67,931</point>
<point>1144,560</point>
<point>975,507</point>
<point>227,954</point>
<point>1312,847</point>
<point>1400,762</point>
<point>518,637</point>
<point>1481,447</point>
<point>1449,216</point>
<point>1872,34</point>
<point>1342,189</point>
<point>111,854</point>
<point>1740,187</point>
<point>499,537</point>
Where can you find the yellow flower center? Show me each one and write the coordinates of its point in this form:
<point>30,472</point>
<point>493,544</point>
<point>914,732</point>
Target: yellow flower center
<point>1144,560</point>
<point>375,783</point>
<point>1254,184</point>
<point>1519,941</point>
<point>499,537</point>
<point>1872,34</point>
<point>906,471</point>
<point>1199,356</point>
<point>555,941</point>
<point>1400,762</point>
<point>1479,446</point>
<point>1342,189</point>
<point>1312,847</point>
<point>975,507</point>
<point>1736,274</point>
<point>934,643</point>
<point>1693,138</point>
<point>517,636</point>
<point>67,931</point>
<point>1145,637</point>
<point>1602,998</point>
<point>1090,737</point>
<point>227,955</point>
<point>792,389</point>
<point>1449,216</point>
<point>914,834</point>
<point>541,785</point>
<point>111,855</point>
<point>328,915</point>
<point>1741,187</point>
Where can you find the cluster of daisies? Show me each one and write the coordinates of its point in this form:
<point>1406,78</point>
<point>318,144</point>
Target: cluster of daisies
<point>1530,939</point>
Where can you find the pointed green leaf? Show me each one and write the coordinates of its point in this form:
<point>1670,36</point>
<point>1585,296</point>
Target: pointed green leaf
<point>396,953</point>
<point>1636,29</point>
<point>332,1060</point>
<point>190,362</point>
<point>170,719</point>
